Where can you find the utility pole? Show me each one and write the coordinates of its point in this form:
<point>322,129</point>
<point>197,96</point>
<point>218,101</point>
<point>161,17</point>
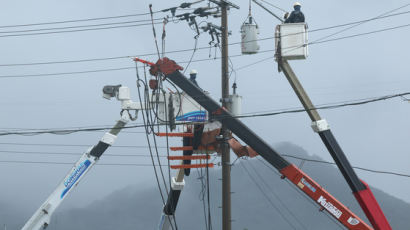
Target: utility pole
<point>226,151</point>
<point>226,158</point>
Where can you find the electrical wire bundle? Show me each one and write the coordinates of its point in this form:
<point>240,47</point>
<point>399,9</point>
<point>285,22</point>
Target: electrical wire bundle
<point>151,119</point>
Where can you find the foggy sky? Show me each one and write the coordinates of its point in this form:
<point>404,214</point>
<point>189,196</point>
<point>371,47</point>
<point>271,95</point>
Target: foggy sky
<point>373,136</point>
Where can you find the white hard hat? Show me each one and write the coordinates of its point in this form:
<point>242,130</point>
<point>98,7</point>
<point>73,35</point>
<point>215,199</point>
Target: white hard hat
<point>297,4</point>
<point>193,71</point>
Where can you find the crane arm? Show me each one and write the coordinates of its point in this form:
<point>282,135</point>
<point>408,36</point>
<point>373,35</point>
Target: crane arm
<point>302,181</point>
<point>168,212</point>
<point>42,217</point>
<point>360,189</point>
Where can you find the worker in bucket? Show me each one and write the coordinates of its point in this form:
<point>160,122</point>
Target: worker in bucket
<point>192,76</point>
<point>296,16</point>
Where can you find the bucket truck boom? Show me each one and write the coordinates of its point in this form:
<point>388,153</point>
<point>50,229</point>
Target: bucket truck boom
<point>291,44</point>
<point>42,217</point>
<point>170,70</point>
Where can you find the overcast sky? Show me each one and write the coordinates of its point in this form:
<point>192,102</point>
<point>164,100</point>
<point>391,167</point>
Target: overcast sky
<point>373,136</point>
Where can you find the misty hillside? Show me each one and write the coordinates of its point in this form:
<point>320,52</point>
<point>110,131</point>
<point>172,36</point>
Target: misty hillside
<point>139,208</point>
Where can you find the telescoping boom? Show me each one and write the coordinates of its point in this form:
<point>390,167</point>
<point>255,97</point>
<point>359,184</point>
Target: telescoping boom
<point>170,70</point>
<point>42,217</point>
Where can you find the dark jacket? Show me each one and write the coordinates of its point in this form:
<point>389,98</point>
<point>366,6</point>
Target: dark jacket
<point>295,17</point>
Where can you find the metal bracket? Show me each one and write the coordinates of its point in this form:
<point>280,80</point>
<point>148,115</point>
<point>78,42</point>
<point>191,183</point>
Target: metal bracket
<point>109,138</point>
<point>225,2</point>
<point>226,100</point>
<point>320,126</point>
<point>177,185</point>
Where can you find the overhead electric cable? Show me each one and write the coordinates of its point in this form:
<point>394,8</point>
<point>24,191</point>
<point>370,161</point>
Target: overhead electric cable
<point>325,41</point>
<point>267,197</point>
<point>353,103</point>
<point>69,131</point>
<point>239,68</point>
<point>277,7</point>
<point>292,186</point>
<point>77,20</point>
<point>267,185</point>
<point>66,73</point>
<point>164,156</point>
<point>146,118</point>
<point>72,153</point>
<point>360,34</point>
<point>111,69</point>
<point>358,24</point>
<point>356,167</point>
<point>77,30</point>
<point>183,50</point>
<point>72,145</point>
<point>77,26</point>
<point>326,106</point>
<point>72,163</point>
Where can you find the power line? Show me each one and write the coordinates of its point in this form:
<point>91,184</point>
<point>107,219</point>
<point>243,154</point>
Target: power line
<point>78,26</point>
<point>67,61</point>
<point>105,70</point>
<point>324,41</point>
<point>361,34</point>
<point>267,197</point>
<point>208,59</point>
<point>187,50</point>
<point>72,154</point>
<point>72,145</point>
<point>77,30</point>
<point>71,163</point>
<point>67,73</point>
<point>358,24</point>
<point>277,7</point>
<point>77,20</point>
<point>255,114</point>
<point>70,131</point>
<point>334,106</point>
<point>292,186</point>
<point>356,167</point>
<point>285,155</point>
<point>146,155</point>
<point>267,185</point>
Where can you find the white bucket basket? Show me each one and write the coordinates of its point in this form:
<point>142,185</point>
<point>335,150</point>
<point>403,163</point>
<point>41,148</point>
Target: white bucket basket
<point>292,41</point>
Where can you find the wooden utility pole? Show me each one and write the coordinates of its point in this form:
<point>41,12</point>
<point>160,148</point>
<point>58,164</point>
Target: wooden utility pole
<point>226,159</point>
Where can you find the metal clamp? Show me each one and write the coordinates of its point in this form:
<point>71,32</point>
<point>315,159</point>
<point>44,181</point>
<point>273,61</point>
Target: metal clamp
<point>108,138</point>
<point>177,185</point>
<point>320,126</point>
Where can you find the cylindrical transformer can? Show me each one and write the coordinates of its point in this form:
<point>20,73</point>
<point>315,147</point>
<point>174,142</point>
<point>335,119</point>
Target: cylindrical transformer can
<point>235,105</point>
<point>249,34</point>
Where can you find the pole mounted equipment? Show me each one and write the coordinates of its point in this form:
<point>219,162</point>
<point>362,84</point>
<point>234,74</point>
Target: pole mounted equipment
<point>226,3</point>
<point>249,34</point>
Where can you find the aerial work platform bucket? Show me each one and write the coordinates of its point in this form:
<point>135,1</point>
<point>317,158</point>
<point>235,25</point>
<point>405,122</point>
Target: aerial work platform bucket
<point>291,41</point>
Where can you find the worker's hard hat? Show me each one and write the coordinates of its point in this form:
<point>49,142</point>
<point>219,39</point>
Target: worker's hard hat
<point>297,4</point>
<point>193,71</point>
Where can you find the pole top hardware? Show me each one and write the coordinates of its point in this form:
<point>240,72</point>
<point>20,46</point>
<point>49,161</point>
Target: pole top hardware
<point>225,2</point>
<point>163,65</point>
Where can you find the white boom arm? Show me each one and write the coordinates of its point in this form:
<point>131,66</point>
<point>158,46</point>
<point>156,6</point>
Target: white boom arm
<point>168,211</point>
<point>42,217</point>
